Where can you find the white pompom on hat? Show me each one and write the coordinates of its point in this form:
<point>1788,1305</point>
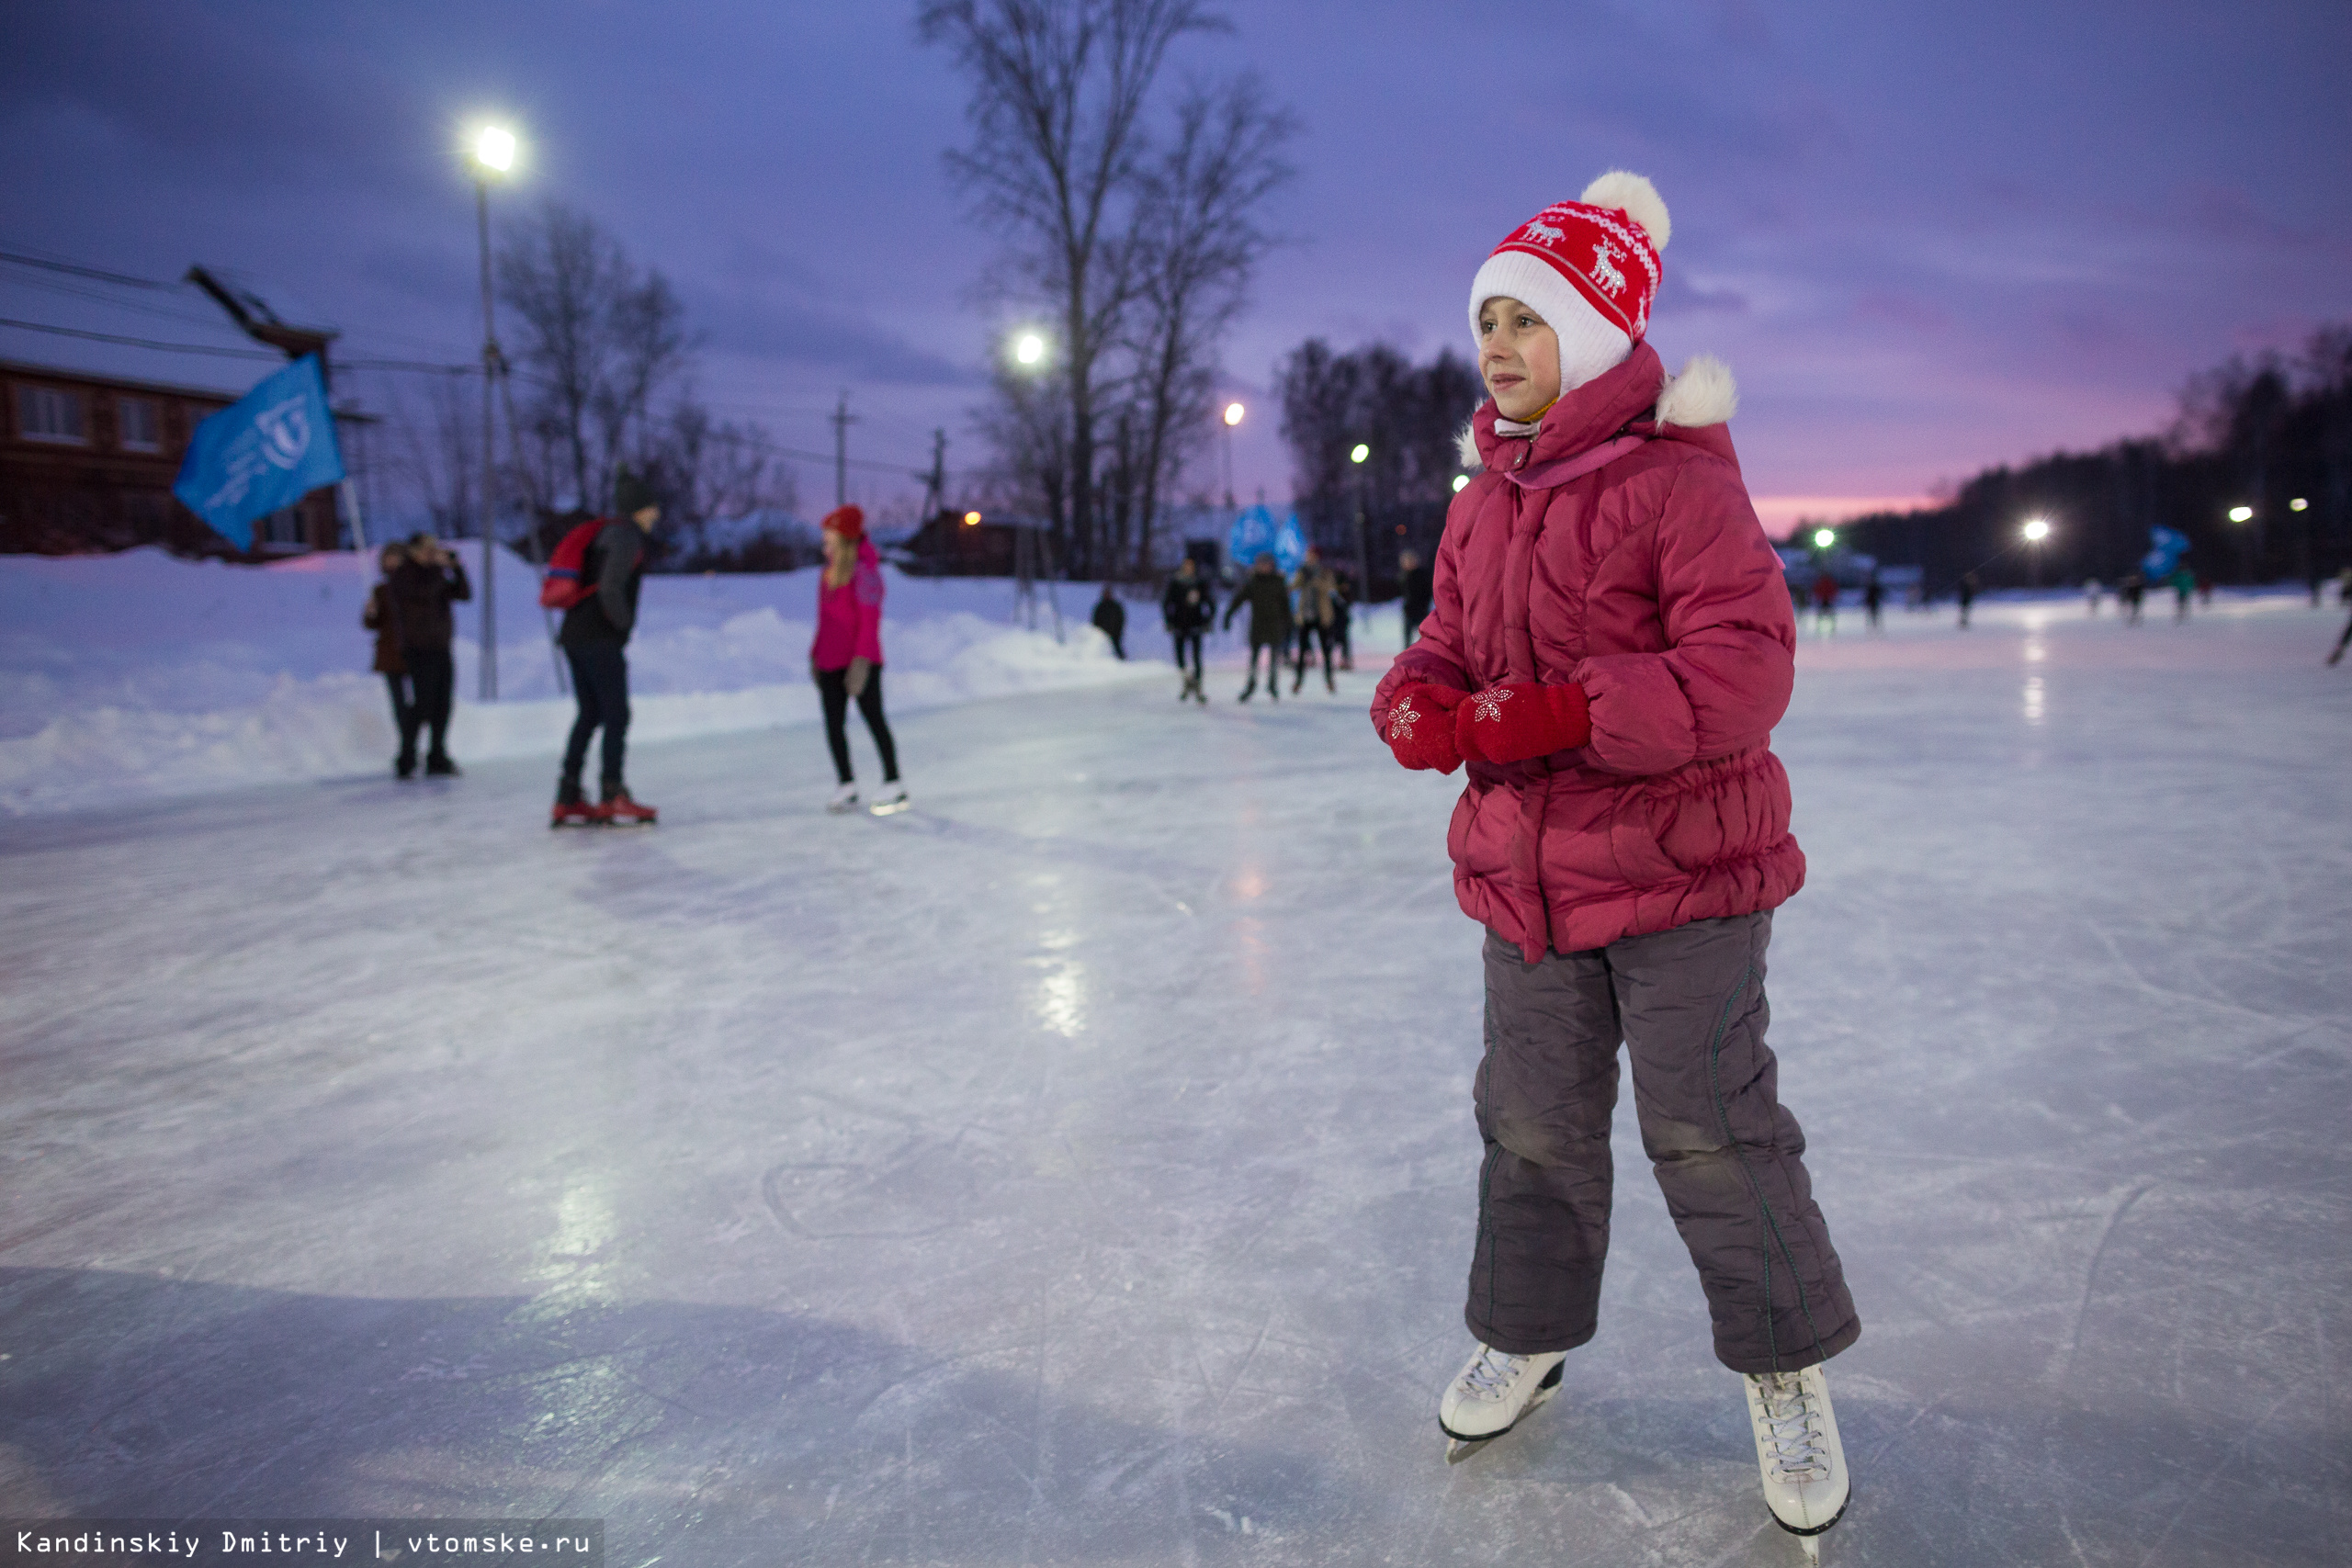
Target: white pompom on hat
<point>1589,268</point>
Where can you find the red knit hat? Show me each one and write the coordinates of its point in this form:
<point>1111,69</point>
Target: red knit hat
<point>1589,268</point>
<point>849,522</point>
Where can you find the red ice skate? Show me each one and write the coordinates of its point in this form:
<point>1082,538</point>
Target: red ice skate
<point>619,811</point>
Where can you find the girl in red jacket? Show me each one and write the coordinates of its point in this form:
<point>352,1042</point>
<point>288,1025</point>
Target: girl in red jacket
<point>1609,645</point>
<point>846,657</point>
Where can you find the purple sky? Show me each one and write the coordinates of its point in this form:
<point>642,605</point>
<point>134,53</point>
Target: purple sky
<point>1926,239</point>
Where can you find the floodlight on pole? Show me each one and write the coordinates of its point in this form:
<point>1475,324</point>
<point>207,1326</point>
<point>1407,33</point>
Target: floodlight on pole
<point>494,148</point>
<point>2241,514</point>
<point>1233,414</point>
<point>492,151</point>
<point>1823,537</point>
<point>1029,348</point>
<point>1360,453</point>
<point>2298,504</point>
<point>2036,530</point>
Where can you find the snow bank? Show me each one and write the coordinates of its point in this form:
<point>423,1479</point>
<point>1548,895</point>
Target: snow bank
<point>136,676</point>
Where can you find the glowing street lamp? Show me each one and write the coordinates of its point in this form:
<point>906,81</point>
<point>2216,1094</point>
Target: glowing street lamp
<point>1234,413</point>
<point>1823,537</point>
<point>2241,514</point>
<point>1029,348</point>
<point>1360,453</point>
<point>971,520</point>
<point>2036,529</point>
<point>492,151</point>
<point>1461,483</point>
<point>2298,504</point>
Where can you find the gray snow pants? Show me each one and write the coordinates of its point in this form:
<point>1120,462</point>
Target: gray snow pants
<point>1689,1004</point>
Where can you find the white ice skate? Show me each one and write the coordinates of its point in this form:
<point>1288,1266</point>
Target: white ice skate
<point>844,799</point>
<point>892,800</point>
<point>1797,1449</point>
<point>1494,1393</point>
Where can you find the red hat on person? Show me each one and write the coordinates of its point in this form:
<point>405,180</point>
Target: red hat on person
<point>1589,267</point>
<point>849,522</point>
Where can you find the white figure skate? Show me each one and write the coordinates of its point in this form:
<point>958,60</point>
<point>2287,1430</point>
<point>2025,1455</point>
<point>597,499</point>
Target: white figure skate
<point>1495,1392</point>
<point>844,799</point>
<point>1797,1449</point>
<point>892,801</point>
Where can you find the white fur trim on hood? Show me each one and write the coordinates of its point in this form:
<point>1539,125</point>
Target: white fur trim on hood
<point>1704,394</point>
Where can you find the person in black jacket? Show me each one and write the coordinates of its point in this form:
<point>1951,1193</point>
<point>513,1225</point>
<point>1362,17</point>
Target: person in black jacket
<point>1267,597</point>
<point>595,631</point>
<point>1414,580</point>
<point>1188,608</point>
<point>1111,620</point>
<point>427,583</point>
<point>382,616</point>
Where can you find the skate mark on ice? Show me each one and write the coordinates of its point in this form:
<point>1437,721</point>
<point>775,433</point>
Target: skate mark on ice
<point>2065,1360</point>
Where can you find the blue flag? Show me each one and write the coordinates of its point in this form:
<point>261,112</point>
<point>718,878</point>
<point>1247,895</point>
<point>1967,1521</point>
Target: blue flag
<point>2166,546</point>
<point>269,449</point>
<point>1255,533</point>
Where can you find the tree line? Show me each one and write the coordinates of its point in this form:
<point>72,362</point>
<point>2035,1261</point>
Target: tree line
<point>1406,417</point>
<point>2260,434</point>
<point>1131,225</point>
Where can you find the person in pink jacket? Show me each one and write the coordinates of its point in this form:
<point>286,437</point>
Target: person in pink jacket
<point>846,657</point>
<point>1610,645</point>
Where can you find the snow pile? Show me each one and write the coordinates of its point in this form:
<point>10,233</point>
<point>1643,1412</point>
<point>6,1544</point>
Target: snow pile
<point>137,676</point>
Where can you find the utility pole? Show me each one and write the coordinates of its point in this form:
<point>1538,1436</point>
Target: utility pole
<point>492,363</point>
<point>936,481</point>
<point>843,419</point>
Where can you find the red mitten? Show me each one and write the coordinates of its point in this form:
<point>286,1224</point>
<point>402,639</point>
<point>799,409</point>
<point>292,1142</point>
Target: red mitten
<point>1420,727</point>
<point>1520,719</point>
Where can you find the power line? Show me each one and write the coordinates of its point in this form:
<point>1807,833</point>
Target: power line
<point>143,343</point>
<point>98,273</point>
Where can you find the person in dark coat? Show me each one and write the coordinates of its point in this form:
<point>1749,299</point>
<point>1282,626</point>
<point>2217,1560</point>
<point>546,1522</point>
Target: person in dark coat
<point>1413,578</point>
<point>1967,596</point>
<point>1343,599</point>
<point>428,582</point>
<point>1111,620</point>
<point>1188,608</point>
<point>382,618</point>
<point>1267,597</point>
<point>1873,600</point>
<point>595,634</point>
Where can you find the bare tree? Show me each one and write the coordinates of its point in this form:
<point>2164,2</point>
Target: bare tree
<point>1197,242</point>
<point>600,340</point>
<point>1058,95</point>
<point>435,451</point>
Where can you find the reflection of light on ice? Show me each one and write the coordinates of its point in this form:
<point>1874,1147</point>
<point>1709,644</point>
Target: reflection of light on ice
<point>1061,1000</point>
<point>2032,697</point>
<point>1250,882</point>
<point>584,1224</point>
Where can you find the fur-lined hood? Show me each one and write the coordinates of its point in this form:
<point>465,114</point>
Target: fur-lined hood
<point>1704,394</point>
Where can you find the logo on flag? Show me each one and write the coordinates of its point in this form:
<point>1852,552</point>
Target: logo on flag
<point>1255,533</point>
<point>268,450</point>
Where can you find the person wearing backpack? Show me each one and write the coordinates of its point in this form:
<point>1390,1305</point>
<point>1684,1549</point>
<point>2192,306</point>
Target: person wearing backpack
<point>595,578</point>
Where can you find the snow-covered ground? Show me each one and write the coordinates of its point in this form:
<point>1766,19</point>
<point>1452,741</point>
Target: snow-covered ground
<point>1078,1168</point>
<point>138,676</point>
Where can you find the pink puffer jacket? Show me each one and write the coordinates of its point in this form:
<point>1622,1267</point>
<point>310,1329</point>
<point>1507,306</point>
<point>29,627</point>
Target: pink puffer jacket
<point>1617,550</point>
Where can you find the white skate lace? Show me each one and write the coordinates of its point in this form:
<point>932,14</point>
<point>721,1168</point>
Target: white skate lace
<point>1490,1376</point>
<point>1793,1426</point>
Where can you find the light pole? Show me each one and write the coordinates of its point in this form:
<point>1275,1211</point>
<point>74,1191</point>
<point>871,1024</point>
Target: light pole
<point>1234,413</point>
<point>493,153</point>
<point>2036,529</point>
<point>1363,523</point>
<point>2242,515</point>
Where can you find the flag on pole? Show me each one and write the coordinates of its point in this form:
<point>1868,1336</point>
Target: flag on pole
<point>1256,533</point>
<point>269,449</point>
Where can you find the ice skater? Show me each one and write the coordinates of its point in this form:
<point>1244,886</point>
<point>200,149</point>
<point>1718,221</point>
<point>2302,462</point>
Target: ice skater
<point>428,582</point>
<point>1413,586</point>
<point>1873,603</point>
<point>1268,599</point>
<point>1313,589</point>
<point>594,636</point>
<point>1188,608</point>
<point>1612,645</point>
<point>846,658</point>
<point>382,616</point>
<point>1825,604</point>
<point>1968,589</point>
<point>1111,620</point>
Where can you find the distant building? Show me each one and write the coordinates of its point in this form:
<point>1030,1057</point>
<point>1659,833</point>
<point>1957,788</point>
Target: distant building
<point>966,543</point>
<point>87,461</point>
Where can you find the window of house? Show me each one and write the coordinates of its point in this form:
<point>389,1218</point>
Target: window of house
<point>139,425</point>
<point>49,413</point>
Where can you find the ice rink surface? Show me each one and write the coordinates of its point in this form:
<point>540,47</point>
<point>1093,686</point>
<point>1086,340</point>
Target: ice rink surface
<point>1078,1168</point>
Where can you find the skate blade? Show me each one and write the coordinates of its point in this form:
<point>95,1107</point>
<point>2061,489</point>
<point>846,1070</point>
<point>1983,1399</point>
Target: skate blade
<point>1459,1449</point>
<point>891,808</point>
